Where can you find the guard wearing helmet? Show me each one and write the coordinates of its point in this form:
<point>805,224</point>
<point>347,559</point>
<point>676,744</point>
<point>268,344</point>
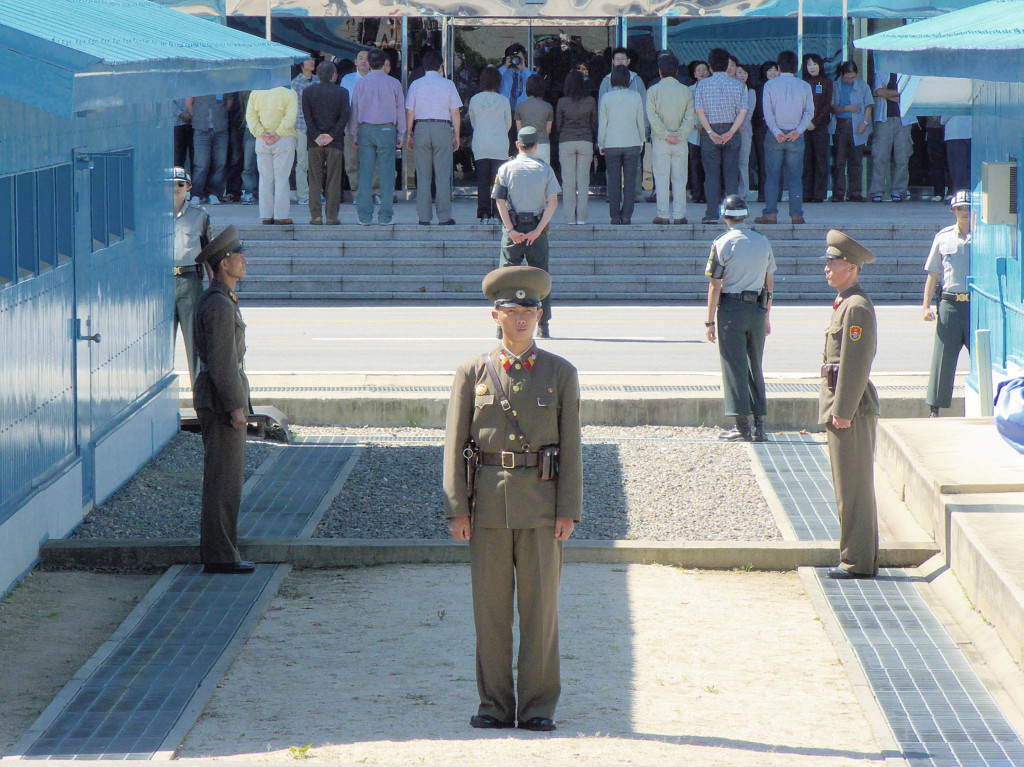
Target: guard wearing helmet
<point>741,267</point>
<point>513,481</point>
<point>191,235</point>
<point>948,264</point>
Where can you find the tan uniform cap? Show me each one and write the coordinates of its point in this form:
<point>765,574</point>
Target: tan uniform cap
<point>517,286</point>
<point>846,248</point>
<point>220,247</point>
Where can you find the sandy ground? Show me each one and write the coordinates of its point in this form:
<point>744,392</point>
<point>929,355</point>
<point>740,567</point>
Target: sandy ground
<point>659,665</point>
<point>49,626</point>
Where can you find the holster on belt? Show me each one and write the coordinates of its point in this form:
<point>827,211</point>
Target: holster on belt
<point>830,372</point>
<point>472,455</point>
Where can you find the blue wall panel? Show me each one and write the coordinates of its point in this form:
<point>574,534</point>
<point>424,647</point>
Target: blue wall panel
<point>128,292</point>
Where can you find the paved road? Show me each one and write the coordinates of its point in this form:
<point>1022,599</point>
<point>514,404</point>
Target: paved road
<point>612,338</point>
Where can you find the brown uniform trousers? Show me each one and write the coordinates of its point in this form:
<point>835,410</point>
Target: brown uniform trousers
<point>220,387</point>
<point>850,342</point>
<point>513,550</point>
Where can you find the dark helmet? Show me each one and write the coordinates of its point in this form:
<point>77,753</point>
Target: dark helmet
<point>734,207</point>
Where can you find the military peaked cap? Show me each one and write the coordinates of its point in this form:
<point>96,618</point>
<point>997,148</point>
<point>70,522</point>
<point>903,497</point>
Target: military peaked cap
<point>846,248</point>
<point>527,136</point>
<point>517,286</point>
<point>220,247</point>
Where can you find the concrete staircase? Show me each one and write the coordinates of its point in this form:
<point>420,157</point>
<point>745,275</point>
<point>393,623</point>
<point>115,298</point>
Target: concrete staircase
<point>591,262</point>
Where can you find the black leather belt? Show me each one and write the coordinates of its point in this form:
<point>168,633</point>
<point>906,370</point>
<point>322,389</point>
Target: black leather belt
<point>508,460</point>
<point>431,120</point>
<point>956,296</point>
<point>747,296</point>
<point>184,271</point>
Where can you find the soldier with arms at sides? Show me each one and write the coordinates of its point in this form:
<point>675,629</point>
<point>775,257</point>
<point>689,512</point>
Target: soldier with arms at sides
<point>513,481</point>
<point>848,407</point>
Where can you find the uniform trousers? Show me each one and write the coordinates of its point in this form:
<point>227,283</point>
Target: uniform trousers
<point>741,327</point>
<point>275,165</point>
<point>325,165</point>
<point>223,477</point>
<point>852,454</point>
<point>525,565</point>
<point>575,157</point>
<point>721,161</point>
<point>536,255</point>
<point>432,147</point>
<point>952,333</point>
<point>891,140</point>
<point>669,163</point>
<point>301,165</point>
<point>188,288</point>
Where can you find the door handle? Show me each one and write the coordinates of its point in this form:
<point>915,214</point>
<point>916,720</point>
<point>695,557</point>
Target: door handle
<point>95,338</point>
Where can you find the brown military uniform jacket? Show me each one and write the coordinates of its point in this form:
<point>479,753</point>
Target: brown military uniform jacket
<point>219,335</point>
<point>544,393</point>
<point>850,340</point>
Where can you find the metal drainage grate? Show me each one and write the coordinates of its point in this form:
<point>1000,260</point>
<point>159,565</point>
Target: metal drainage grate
<point>798,470</point>
<point>774,388</point>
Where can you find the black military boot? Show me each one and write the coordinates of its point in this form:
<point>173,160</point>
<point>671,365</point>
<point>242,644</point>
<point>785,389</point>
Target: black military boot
<point>933,411</point>
<point>739,433</point>
<point>759,435</point>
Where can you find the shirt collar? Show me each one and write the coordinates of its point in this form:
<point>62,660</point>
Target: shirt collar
<point>518,357</point>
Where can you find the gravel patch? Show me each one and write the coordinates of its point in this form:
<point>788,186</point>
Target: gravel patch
<point>163,499</point>
<point>640,483</point>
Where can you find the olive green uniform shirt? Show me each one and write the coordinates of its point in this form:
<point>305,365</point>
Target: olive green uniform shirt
<point>850,340</point>
<point>219,334</point>
<point>544,393</point>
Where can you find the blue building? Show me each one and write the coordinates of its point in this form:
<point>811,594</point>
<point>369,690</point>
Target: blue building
<point>983,48</point>
<point>87,391</point>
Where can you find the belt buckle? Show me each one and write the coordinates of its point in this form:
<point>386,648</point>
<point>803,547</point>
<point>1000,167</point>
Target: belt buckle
<point>963,296</point>
<point>511,458</point>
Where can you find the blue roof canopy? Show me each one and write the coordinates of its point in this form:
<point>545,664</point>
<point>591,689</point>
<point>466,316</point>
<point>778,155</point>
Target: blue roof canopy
<point>96,54</point>
<point>983,42</point>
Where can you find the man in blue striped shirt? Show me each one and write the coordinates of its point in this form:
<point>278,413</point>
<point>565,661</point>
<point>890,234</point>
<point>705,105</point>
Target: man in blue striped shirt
<point>720,102</point>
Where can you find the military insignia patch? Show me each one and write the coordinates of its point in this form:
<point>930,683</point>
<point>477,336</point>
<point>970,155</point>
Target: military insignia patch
<point>855,332</point>
<point>481,389</point>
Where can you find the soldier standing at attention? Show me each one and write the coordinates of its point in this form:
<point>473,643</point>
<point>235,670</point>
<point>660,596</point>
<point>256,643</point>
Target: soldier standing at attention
<point>526,194</point>
<point>221,399</point>
<point>513,481</point>
<point>191,235</point>
<point>950,262</point>
<point>848,407</point>
<point>742,271</point>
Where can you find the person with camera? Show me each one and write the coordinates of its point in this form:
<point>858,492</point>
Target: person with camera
<point>513,483</point>
<point>741,268</point>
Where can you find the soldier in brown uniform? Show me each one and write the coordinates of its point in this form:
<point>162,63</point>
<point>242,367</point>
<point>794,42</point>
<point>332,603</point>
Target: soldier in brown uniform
<point>848,407</point>
<point>521,501</point>
<point>221,400</point>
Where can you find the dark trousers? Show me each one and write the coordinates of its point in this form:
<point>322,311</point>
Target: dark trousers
<point>958,157</point>
<point>936,160</point>
<point>325,168</point>
<point>758,144</point>
<point>695,182</point>
<point>848,173</point>
<point>223,477</point>
<point>815,176</point>
<point>952,333</point>
<point>741,327</point>
<point>536,255</point>
<point>486,170</point>
<point>721,161</point>
<point>622,163</point>
<point>236,160</point>
<point>211,155</point>
<point>183,147</point>
<point>188,288</point>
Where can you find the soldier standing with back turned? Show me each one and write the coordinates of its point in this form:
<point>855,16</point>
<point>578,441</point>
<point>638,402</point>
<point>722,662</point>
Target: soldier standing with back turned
<point>221,400</point>
<point>526,195</point>
<point>513,481</point>
<point>742,272</point>
<point>848,407</point>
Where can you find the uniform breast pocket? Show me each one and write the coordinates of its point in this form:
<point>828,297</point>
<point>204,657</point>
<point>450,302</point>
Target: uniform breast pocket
<point>547,400</point>
<point>948,249</point>
<point>483,400</point>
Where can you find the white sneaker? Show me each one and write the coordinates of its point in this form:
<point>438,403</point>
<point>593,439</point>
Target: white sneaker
<point>937,198</point>
<point>304,200</point>
<point>581,223</point>
<point>214,200</point>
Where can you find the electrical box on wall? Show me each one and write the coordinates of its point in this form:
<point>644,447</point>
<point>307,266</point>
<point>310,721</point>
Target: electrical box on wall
<point>999,193</point>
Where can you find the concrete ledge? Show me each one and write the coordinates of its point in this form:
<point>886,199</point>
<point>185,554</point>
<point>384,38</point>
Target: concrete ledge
<point>338,552</point>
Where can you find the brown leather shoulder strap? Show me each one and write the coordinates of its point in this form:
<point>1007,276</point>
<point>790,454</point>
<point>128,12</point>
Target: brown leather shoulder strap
<point>506,406</point>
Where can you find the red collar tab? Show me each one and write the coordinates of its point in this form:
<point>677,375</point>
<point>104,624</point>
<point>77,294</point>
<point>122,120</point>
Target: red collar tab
<point>839,300</point>
<point>507,360</point>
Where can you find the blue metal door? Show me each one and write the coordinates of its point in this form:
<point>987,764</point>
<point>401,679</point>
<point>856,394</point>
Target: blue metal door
<point>84,334</point>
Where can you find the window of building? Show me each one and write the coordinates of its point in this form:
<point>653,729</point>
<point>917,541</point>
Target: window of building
<point>36,222</point>
<point>113,209</point>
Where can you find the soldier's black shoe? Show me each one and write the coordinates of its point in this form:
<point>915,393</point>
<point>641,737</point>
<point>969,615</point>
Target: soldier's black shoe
<point>839,574</point>
<point>759,433</point>
<point>933,411</point>
<point>543,331</point>
<point>229,567</point>
<point>739,433</point>
<point>537,724</point>
<point>488,722</point>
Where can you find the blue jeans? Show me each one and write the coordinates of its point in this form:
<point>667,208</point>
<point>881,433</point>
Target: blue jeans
<point>787,157</point>
<point>376,152</point>
<point>250,180</point>
<point>210,155</point>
